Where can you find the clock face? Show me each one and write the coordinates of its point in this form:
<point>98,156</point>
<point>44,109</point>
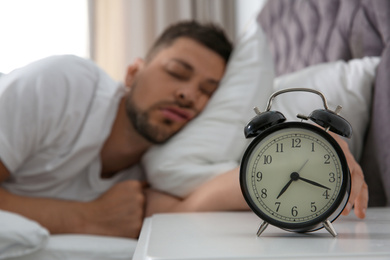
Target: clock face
<point>294,175</point>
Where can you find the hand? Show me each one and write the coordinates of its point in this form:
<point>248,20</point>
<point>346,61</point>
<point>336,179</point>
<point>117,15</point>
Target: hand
<point>118,212</point>
<point>359,190</point>
<point>159,202</point>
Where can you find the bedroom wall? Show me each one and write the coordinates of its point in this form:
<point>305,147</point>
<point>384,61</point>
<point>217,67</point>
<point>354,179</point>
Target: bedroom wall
<point>32,30</point>
<point>29,36</point>
<point>143,20</point>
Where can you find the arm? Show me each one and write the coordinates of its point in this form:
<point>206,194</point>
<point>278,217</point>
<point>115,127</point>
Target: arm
<point>27,126</point>
<point>224,193</point>
<point>221,193</point>
<point>118,212</point>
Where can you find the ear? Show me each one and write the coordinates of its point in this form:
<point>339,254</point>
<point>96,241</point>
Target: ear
<point>132,71</point>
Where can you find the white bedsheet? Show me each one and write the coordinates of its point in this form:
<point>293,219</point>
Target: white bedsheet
<point>24,239</point>
<point>83,247</point>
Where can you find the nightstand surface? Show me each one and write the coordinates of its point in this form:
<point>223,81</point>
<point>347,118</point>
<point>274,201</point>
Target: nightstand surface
<point>232,236</point>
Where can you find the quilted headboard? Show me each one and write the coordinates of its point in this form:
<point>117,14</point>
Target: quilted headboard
<point>307,32</point>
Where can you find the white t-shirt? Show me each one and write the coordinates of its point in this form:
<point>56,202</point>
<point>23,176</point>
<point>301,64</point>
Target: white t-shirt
<point>55,115</point>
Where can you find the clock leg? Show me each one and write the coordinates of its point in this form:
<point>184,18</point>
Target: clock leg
<point>328,226</point>
<point>262,227</point>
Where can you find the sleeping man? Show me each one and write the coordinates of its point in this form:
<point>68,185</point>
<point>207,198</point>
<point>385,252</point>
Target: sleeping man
<point>71,138</point>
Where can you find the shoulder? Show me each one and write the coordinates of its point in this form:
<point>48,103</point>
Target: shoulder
<point>55,77</point>
<point>51,88</point>
<point>62,61</point>
<point>62,66</point>
<point>52,70</point>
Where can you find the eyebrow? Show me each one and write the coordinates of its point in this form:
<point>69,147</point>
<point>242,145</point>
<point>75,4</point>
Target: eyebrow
<point>189,67</point>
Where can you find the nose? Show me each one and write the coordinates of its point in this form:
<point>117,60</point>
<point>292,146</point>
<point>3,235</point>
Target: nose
<point>186,96</point>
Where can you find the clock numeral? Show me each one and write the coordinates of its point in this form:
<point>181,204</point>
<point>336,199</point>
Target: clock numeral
<point>296,143</point>
<point>326,194</point>
<point>312,147</point>
<point>294,211</point>
<point>259,176</point>
<point>264,193</point>
<point>277,206</point>
<point>279,148</point>
<point>327,159</point>
<point>267,159</point>
<point>332,177</point>
<point>313,207</point>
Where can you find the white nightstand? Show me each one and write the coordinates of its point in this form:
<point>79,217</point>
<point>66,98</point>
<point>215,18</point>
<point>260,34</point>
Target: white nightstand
<point>231,236</point>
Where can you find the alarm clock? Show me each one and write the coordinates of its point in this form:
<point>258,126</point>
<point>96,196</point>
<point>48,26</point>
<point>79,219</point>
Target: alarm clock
<point>294,175</point>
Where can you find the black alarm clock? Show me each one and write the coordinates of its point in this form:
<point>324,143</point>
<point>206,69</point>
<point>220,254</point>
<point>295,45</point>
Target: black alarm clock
<point>294,175</point>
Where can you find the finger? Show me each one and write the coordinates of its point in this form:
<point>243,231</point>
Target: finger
<point>357,182</point>
<point>361,202</point>
<point>356,185</point>
<point>347,209</point>
<point>359,190</point>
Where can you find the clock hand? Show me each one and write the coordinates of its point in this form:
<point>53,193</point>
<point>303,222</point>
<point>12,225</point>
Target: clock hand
<point>294,176</point>
<point>313,183</point>
<point>284,188</point>
<point>302,166</point>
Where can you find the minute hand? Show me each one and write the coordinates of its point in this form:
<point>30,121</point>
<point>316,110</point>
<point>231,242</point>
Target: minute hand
<point>314,183</point>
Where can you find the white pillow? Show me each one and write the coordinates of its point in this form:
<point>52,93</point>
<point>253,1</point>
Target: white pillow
<point>20,236</point>
<point>348,84</point>
<point>214,142</point>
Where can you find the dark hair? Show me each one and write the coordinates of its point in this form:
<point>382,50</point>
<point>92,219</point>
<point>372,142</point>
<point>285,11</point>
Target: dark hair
<point>209,35</point>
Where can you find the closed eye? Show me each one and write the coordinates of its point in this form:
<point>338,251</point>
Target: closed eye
<point>209,87</point>
<point>180,76</point>
<point>178,69</point>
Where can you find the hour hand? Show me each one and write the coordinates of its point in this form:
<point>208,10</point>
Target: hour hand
<point>293,177</point>
<point>284,188</point>
<point>313,183</point>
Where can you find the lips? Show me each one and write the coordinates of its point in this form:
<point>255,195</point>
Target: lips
<point>177,114</point>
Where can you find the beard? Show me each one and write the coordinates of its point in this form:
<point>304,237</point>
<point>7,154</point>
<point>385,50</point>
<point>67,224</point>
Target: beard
<point>156,134</point>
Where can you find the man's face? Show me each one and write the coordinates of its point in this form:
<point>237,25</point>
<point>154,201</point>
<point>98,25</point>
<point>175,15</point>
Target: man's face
<point>172,88</point>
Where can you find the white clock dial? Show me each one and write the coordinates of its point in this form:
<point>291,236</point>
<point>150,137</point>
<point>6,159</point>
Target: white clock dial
<point>293,176</point>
